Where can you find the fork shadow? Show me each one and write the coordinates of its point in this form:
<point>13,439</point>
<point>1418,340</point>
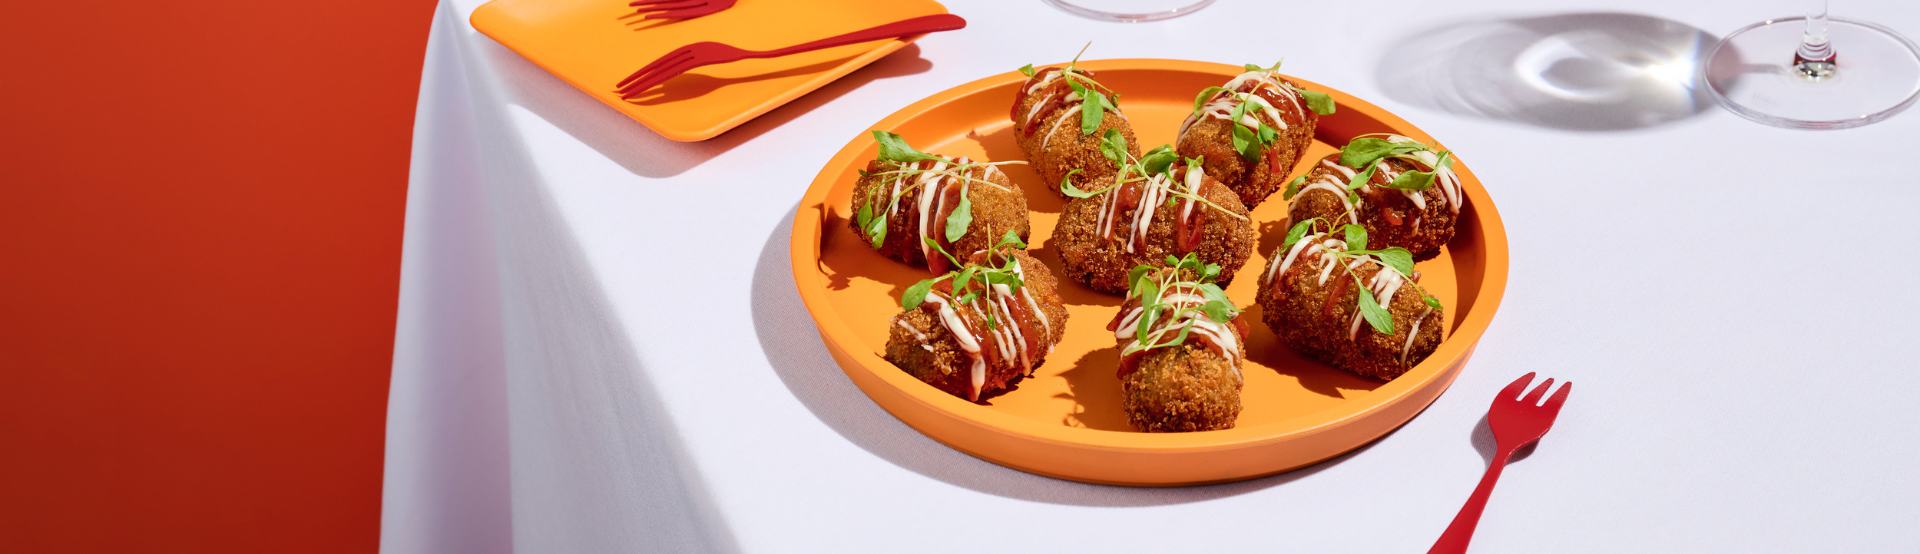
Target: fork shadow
<point>1483,441</point>
<point>639,150</point>
<point>693,84</point>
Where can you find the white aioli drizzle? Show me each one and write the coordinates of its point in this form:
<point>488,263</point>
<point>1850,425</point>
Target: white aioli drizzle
<point>931,185</point>
<point>1180,295</point>
<point>1067,111</point>
<point>1384,283</point>
<point>1010,341</point>
<point>1444,177</point>
<point>1223,103</point>
<point>1152,194</point>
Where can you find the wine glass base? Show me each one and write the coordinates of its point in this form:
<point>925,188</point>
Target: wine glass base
<point>1130,11</point>
<point>1876,74</point>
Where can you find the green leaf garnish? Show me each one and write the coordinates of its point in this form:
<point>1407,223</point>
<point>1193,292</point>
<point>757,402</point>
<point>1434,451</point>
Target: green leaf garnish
<point>1027,70</point>
<point>1397,258</point>
<point>1356,236</point>
<point>1293,187</point>
<point>1379,318</point>
<point>1157,161</point>
<point>1012,238</point>
<point>1149,298</point>
<point>895,149</point>
<point>1092,110</point>
<point>1412,180</point>
<point>877,231</point>
<point>1067,188</point>
<point>1253,67</point>
<point>1363,151</point>
<point>961,217</point>
<point>1298,231</point>
<point>1205,94</point>
<point>1361,179</point>
<point>918,293</point>
<point>1114,146</point>
<point>1431,302</point>
<point>1317,101</point>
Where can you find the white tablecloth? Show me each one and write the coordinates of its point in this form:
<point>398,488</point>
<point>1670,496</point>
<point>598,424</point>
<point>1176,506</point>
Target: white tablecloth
<point>600,349</point>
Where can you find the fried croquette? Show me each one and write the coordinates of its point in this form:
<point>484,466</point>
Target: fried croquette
<point>1101,238</point>
<point>1421,221</point>
<point>1311,298</point>
<point>1278,122</point>
<point>977,348</point>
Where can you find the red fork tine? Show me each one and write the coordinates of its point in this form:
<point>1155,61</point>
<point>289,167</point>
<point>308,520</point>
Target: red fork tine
<point>1514,389</point>
<point>659,76</point>
<point>651,3</point>
<point>1559,397</point>
<point>672,5</point>
<point>1533,398</point>
<point>671,57</point>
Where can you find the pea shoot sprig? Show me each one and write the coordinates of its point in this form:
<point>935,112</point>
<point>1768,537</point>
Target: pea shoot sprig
<point>872,217</point>
<point>1252,141</point>
<point>1136,169</point>
<point>1152,286</point>
<point>1392,258</point>
<point>1094,104</point>
<point>972,280</point>
<point>1366,153</point>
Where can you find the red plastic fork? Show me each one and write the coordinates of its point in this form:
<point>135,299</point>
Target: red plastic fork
<point>1516,421</point>
<point>678,9</point>
<point>708,53</point>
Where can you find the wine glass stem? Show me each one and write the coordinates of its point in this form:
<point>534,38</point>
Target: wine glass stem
<point>1816,59</point>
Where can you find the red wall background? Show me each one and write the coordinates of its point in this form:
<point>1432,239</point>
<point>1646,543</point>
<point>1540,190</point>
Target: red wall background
<point>199,259</point>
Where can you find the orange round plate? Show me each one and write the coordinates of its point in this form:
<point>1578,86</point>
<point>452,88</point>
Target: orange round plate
<point>1066,420</point>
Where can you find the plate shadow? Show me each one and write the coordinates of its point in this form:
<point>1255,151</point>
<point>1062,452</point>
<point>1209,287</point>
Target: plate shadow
<point>640,150</point>
<point>793,347</point>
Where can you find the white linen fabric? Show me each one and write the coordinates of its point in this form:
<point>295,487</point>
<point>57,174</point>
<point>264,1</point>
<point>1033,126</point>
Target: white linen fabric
<point>599,347</point>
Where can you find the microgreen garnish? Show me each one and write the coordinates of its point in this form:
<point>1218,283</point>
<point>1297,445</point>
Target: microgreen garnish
<point>1156,162</point>
<point>1363,151</point>
<point>972,280</point>
<point>1094,101</point>
<point>1251,141</point>
<point>1392,258</point>
<point>895,149</point>
<point>1370,152</point>
<point>962,216</point>
<point>1293,187</point>
<point>872,217</point>
<point>1317,101</point>
<point>1184,276</point>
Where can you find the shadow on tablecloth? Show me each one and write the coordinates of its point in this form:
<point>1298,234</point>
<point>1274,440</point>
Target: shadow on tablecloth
<point>793,348</point>
<point>640,150</point>
<point>1593,72</point>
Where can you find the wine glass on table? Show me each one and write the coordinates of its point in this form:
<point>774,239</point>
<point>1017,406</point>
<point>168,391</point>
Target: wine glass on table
<point>1131,11</point>
<point>1814,72</point>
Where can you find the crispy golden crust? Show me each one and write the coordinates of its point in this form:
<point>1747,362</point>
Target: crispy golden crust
<point>1391,219</point>
<point>1315,318</point>
<point>1057,146</point>
<point>995,210</point>
<point>1102,264</point>
<point>941,362</point>
<point>1182,388</point>
<point>1212,140</point>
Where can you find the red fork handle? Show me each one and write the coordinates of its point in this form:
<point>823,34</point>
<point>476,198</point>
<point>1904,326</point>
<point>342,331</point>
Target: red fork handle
<point>897,29</point>
<point>1460,532</point>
